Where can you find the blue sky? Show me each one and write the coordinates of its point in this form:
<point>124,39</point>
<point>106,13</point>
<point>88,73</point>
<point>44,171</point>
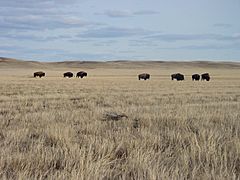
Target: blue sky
<point>57,30</point>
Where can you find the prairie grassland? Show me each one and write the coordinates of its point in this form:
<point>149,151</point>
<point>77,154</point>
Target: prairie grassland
<point>53,128</point>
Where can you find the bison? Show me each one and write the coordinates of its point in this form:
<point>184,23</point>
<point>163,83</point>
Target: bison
<point>81,74</point>
<point>177,76</point>
<point>68,74</point>
<point>144,76</point>
<point>196,77</point>
<point>205,76</point>
<point>39,74</point>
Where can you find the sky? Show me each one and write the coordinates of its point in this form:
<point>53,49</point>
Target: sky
<point>62,30</point>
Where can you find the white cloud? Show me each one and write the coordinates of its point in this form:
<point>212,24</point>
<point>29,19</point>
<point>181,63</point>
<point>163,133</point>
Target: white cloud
<point>126,13</point>
<point>222,25</point>
<point>113,32</point>
<point>41,22</point>
<point>193,37</point>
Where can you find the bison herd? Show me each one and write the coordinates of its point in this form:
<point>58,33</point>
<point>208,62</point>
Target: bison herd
<point>195,77</point>
<point>79,74</point>
<point>205,76</point>
<point>66,74</point>
<point>145,76</point>
<point>179,77</point>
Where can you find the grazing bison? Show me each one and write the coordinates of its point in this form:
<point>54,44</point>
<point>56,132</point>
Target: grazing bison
<point>205,76</point>
<point>178,77</point>
<point>196,77</point>
<point>81,74</point>
<point>39,74</point>
<point>68,74</point>
<point>144,76</point>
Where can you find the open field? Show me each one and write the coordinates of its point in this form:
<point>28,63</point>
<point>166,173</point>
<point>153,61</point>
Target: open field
<point>54,128</point>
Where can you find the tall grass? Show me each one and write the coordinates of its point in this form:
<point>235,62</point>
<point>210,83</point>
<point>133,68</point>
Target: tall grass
<point>52,128</point>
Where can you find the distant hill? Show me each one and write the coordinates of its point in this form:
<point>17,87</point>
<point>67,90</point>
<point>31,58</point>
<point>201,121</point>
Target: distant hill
<point>8,63</point>
<point>14,63</point>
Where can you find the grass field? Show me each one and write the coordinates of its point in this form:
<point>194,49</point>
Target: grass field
<point>54,128</point>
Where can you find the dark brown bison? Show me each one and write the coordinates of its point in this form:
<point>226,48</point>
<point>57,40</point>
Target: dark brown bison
<point>81,74</point>
<point>68,74</point>
<point>177,76</point>
<point>144,76</point>
<point>196,77</point>
<point>39,74</point>
<point>205,76</point>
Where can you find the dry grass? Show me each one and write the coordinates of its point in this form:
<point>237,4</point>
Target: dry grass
<point>52,128</point>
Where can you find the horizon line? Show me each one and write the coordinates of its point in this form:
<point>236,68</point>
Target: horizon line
<point>124,60</point>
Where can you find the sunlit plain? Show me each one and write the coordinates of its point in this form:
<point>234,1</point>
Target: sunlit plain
<point>53,127</point>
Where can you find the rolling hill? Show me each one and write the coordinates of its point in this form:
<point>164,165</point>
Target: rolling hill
<point>8,63</point>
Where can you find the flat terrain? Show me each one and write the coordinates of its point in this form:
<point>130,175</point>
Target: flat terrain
<point>56,128</point>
